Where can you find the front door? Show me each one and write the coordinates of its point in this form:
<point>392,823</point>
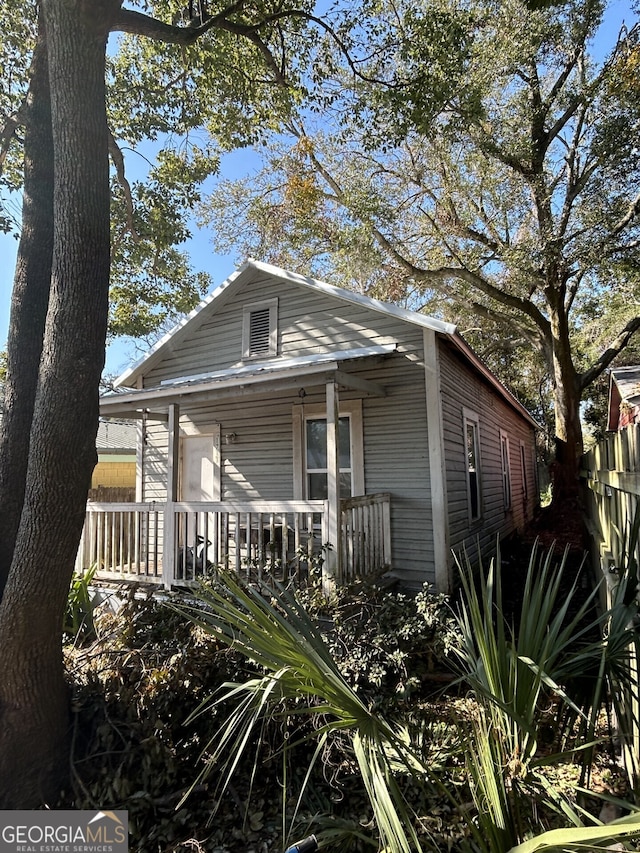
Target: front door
<point>197,533</point>
<point>200,466</point>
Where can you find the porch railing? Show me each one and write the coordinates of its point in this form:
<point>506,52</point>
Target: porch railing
<point>174,543</point>
<point>281,539</point>
<point>366,535</point>
<point>124,541</point>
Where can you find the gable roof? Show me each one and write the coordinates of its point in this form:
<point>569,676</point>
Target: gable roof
<point>248,272</point>
<point>253,269</point>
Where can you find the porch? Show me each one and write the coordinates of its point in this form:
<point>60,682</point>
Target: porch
<point>174,543</point>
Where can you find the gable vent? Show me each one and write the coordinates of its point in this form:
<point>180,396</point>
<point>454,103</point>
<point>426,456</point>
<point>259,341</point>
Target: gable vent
<point>260,329</point>
<point>259,332</point>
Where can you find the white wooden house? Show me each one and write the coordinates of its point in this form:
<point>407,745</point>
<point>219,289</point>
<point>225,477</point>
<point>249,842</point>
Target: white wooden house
<point>285,414</point>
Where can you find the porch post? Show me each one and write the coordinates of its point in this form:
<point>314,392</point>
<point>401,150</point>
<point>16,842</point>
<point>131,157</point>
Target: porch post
<point>333,564</point>
<point>168,524</point>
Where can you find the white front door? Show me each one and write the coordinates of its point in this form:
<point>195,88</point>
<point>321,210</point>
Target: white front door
<point>200,466</point>
<point>199,481</point>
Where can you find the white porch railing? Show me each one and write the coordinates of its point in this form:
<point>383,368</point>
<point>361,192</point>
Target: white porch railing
<point>366,535</point>
<point>281,539</point>
<point>172,544</point>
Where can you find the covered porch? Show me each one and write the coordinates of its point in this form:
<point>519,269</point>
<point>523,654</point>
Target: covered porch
<point>176,533</point>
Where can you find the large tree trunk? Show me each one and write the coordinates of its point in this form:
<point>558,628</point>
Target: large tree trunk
<point>29,303</point>
<point>566,398</point>
<point>33,698</point>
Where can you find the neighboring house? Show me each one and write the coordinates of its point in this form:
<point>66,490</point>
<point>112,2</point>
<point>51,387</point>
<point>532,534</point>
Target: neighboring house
<point>115,471</point>
<point>624,397</point>
<point>284,414</point>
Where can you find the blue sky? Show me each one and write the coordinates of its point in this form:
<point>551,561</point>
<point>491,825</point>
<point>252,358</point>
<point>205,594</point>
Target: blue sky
<point>237,164</point>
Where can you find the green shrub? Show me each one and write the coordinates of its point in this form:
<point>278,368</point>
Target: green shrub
<point>389,645</point>
<point>78,626</point>
<point>138,744</point>
<point>133,690</point>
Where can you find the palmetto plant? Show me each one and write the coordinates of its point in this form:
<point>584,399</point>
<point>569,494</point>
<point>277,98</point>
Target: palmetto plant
<point>78,623</point>
<point>515,673</point>
<point>301,680</point>
<point>511,675</point>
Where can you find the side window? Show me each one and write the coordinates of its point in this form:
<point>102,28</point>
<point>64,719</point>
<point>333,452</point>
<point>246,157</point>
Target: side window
<point>523,466</point>
<point>474,474</point>
<point>506,469</point>
<point>260,329</point>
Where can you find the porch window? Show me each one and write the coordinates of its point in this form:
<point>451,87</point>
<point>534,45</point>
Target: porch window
<point>260,329</point>
<point>309,423</point>
<point>474,483</point>
<point>506,469</point>
<point>316,457</point>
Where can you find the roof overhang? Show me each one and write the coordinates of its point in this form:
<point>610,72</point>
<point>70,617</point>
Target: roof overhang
<point>624,386</point>
<point>248,379</point>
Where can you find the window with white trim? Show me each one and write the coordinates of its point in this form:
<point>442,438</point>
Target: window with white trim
<point>474,473</point>
<point>310,450</point>
<point>316,462</point>
<point>506,469</point>
<point>260,329</point>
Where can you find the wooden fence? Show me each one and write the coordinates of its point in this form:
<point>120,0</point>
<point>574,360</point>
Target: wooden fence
<point>611,474</point>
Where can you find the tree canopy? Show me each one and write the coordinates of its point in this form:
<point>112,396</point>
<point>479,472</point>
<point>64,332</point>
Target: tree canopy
<point>175,103</point>
<point>509,204</point>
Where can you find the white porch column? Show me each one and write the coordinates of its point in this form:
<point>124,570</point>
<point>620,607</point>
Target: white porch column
<point>168,525</point>
<point>333,564</point>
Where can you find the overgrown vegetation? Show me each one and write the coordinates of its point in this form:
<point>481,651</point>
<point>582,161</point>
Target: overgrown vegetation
<point>249,716</point>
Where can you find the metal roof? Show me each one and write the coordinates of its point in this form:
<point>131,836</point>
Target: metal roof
<point>628,381</point>
<point>116,436</point>
<point>285,373</point>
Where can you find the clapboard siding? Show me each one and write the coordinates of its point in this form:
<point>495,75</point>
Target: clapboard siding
<point>259,463</point>
<point>463,389</point>
<point>308,323</point>
<point>397,461</point>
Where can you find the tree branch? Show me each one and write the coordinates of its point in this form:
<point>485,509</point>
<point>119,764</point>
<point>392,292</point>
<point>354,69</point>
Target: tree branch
<point>8,133</point>
<point>614,348</point>
<point>118,162</point>
<point>439,278</point>
<point>136,23</point>
<point>630,215</point>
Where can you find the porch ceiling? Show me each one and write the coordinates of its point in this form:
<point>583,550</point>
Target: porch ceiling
<point>246,379</point>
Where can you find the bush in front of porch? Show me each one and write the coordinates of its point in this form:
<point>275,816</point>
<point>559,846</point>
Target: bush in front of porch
<point>150,669</point>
